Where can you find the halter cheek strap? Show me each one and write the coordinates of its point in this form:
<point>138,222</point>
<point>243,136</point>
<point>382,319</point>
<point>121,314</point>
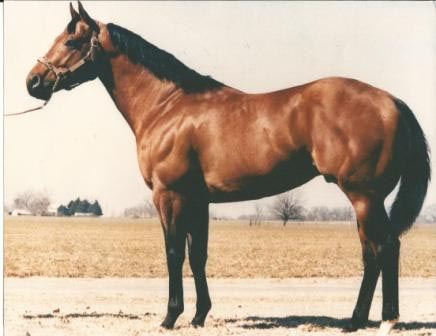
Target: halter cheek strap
<point>61,73</point>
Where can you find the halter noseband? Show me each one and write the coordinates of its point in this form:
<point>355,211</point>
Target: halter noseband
<point>62,73</point>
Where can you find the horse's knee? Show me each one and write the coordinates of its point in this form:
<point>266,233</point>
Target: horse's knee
<point>175,257</point>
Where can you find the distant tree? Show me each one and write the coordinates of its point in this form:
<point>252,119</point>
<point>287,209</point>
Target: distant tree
<point>428,214</point>
<point>145,209</point>
<point>318,213</point>
<point>6,209</point>
<point>63,211</point>
<point>287,206</point>
<point>22,200</point>
<point>83,206</point>
<point>258,216</point>
<point>72,206</point>
<point>323,213</point>
<point>80,206</point>
<point>342,214</point>
<point>213,215</point>
<point>36,203</point>
<point>95,209</point>
<point>150,209</point>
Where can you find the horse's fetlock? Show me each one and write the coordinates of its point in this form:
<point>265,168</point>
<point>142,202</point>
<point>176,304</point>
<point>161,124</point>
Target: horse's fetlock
<point>390,313</point>
<point>175,308</point>
<point>204,306</point>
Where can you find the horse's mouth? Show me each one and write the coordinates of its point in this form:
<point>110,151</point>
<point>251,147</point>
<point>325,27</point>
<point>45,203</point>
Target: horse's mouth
<point>42,91</point>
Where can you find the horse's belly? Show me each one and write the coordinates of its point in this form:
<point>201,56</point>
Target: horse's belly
<point>233,184</point>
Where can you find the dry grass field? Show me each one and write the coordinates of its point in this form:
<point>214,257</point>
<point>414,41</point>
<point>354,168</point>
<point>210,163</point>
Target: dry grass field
<point>92,247</point>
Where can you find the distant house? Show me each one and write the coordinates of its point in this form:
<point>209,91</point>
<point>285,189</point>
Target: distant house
<point>51,212</point>
<point>20,212</point>
<point>84,214</point>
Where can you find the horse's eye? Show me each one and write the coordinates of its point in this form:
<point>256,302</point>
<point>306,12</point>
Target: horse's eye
<point>73,44</point>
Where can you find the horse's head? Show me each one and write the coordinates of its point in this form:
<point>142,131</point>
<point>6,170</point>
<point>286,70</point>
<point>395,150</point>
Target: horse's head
<point>70,61</point>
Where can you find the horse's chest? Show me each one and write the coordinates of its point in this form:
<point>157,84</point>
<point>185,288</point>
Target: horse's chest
<point>164,167</point>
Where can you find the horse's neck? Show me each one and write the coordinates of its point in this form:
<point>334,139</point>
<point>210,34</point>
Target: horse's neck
<point>138,94</point>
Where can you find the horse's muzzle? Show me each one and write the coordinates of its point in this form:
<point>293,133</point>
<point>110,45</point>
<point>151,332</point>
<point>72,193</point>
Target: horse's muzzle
<point>38,87</point>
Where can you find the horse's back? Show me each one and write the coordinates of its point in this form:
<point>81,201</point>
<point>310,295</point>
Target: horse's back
<point>338,127</point>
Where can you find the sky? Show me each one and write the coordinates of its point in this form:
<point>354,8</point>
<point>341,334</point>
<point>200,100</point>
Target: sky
<point>80,146</point>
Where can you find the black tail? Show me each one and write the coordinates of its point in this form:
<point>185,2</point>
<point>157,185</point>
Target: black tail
<point>411,146</point>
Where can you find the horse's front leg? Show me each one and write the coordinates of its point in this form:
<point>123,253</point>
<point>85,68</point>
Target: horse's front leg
<point>171,210</point>
<point>197,245</point>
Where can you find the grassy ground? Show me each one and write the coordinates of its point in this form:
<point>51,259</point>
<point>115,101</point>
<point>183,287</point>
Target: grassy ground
<point>84,247</point>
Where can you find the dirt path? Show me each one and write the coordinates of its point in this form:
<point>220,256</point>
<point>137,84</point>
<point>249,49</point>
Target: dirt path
<point>62,306</point>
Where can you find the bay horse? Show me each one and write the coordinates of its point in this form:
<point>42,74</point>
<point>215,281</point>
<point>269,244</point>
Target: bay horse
<point>200,141</point>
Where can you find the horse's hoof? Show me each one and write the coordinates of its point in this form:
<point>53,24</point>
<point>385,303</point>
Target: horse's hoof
<point>168,323</point>
<point>197,322</point>
<point>200,315</point>
<point>353,326</point>
<point>349,328</point>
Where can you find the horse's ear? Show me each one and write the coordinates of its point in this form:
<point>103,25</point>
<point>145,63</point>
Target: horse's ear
<point>74,15</point>
<point>85,17</point>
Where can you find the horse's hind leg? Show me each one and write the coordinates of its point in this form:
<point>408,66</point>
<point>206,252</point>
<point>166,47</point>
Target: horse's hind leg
<point>369,281</point>
<point>368,215</point>
<point>380,252</point>
<point>197,245</point>
<point>390,253</point>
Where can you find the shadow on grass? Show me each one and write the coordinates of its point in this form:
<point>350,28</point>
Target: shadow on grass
<point>258,322</point>
<point>85,315</point>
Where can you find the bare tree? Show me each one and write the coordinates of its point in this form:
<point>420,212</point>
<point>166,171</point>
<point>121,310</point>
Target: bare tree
<point>428,214</point>
<point>258,216</point>
<point>6,209</point>
<point>150,209</point>
<point>145,209</point>
<point>323,213</point>
<point>35,202</point>
<point>287,206</point>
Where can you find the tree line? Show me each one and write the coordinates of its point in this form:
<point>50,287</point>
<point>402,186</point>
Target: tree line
<point>288,207</point>
<point>284,207</point>
<point>80,206</point>
<point>37,203</point>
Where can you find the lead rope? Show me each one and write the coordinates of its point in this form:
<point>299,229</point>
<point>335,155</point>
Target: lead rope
<point>39,107</point>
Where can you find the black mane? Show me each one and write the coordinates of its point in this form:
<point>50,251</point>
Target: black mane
<point>161,64</point>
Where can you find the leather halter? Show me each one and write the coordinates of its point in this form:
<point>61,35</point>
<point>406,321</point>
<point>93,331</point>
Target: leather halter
<point>62,73</point>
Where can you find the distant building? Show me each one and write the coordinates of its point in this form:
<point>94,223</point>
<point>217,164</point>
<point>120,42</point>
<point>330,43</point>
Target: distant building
<point>84,214</point>
<point>20,212</point>
<point>51,212</point>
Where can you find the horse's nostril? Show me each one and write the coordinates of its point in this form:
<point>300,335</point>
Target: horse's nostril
<point>35,81</point>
